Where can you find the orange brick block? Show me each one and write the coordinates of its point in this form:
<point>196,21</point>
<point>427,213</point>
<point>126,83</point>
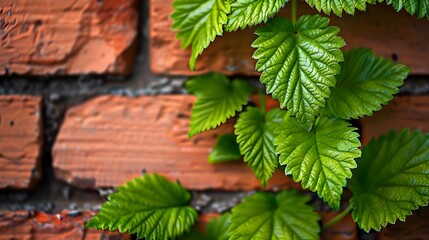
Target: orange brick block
<point>110,140</point>
<point>67,37</point>
<point>20,141</point>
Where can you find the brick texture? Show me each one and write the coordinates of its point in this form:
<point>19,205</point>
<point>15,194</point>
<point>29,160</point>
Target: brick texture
<point>42,226</point>
<point>67,37</point>
<point>402,112</point>
<point>20,141</point>
<point>110,140</point>
<point>391,34</point>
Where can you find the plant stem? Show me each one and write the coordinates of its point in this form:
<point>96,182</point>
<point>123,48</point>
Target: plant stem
<point>293,12</point>
<point>338,218</point>
<point>262,101</point>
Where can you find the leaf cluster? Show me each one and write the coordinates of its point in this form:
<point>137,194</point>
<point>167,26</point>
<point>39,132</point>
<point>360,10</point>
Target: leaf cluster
<point>309,137</point>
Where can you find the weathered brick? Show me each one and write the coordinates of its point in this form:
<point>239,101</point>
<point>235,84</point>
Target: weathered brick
<point>67,37</point>
<point>402,112</point>
<point>393,35</point>
<point>20,140</point>
<point>42,226</point>
<point>110,140</point>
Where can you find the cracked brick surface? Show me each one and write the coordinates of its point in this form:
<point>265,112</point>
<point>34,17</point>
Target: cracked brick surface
<point>20,141</point>
<point>67,37</point>
<point>110,139</point>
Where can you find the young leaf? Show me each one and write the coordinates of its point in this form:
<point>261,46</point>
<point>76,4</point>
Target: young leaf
<point>246,13</point>
<point>199,22</point>
<point>365,83</point>
<point>150,206</point>
<point>255,136</point>
<point>265,216</point>
<point>299,63</point>
<point>217,228</point>
<point>338,6</point>
<point>392,179</point>
<point>217,100</point>
<point>226,149</point>
<point>322,158</point>
<point>419,7</point>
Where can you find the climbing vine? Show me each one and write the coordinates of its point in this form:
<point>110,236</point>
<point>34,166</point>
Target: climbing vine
<point>319,89</point>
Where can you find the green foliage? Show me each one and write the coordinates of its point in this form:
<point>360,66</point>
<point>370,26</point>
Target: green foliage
<point>392,179</point>
<point>217,100</point>
<point>299,63</point>
<point>338,6</point>
<point>302,67</point>
<point>265,216</point>
<point>365,83</point>
<point>150,206</point>
<point>226,149</point>
<point>246,13</point>
<point>216,229</point>
<point>419,7</point>
<point>255,136</point>
<point>321,159</point>
<point>199,22</point>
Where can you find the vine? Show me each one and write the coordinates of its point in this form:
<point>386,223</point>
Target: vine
<point>309,137</point>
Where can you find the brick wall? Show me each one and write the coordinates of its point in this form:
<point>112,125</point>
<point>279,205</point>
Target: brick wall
<point>91,95</point>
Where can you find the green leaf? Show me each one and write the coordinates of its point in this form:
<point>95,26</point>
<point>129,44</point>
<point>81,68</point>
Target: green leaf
<point>419,7</point>
<point>246,13</point>
<point>150,206</point>
<point>255,136</point>
<point>321,159</point>
<point>218,100</point>
<point>217,228</point>
<point>226,149</point>
<point>365,83</point>
<point>199,22</point>
<point>392,179</point>
<point>265,216</point>
<point>299,63</point>
<point>338,6</point>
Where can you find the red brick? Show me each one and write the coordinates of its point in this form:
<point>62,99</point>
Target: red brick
<point>402,112</point>
<point>42,226</point>
<point>67,37</point>
<point>380,28</point>
<point>110,140</point>
<point>20,141</point>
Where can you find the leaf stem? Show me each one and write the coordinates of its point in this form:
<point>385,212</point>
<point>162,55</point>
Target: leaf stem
<point>338,218</point>
<point>262,101</point>
<point>293,12</point>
